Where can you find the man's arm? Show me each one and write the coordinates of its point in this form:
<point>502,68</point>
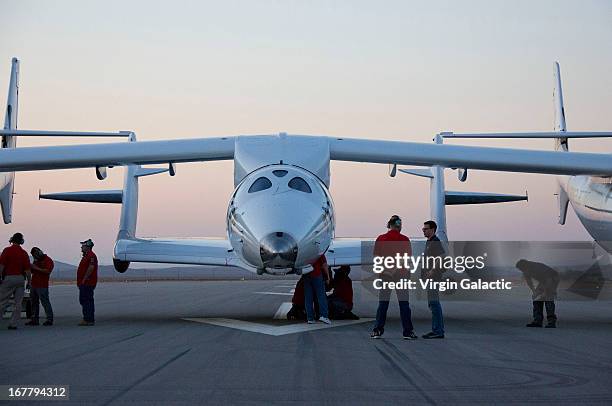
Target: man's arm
<point>529,282</point>
<point>89,270</point>
<point>325,268</point>
<point>438,251</point>
<point>37,268</point>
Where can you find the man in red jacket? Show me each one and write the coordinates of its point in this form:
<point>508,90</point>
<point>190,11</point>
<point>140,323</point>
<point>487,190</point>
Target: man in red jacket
<point>388,245</point>
<point>87,279</point>
<point>14,270</point>
<point>39,293</point>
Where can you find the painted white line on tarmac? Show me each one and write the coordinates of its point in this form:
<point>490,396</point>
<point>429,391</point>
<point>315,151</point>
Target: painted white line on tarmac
<point>274,293</point>
<point>271,329</point>
<point>282,311</point>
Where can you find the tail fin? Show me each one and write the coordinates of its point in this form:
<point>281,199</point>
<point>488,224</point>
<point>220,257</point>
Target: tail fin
<point>10,133</point>
<point>7,179</point>
<point>561,142</point>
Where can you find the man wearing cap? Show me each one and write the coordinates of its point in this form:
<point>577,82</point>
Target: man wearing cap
<point>14,268</point>
<point>390,244</point>
<point>39,293</point>
<point>87,279</point>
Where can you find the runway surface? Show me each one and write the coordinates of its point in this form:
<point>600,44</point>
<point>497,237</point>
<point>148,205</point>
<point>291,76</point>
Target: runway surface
<point>144,349</point>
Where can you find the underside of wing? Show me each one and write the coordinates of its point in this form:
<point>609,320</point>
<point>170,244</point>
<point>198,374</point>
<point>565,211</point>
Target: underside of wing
<point>193,251</point>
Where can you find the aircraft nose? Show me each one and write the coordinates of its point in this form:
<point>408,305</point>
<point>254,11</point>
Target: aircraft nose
<point>278,250</point>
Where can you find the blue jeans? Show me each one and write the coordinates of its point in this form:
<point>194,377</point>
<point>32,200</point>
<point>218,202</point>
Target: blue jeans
<point>86,299</point>
<point>405,312</point>
<point>313,285</point>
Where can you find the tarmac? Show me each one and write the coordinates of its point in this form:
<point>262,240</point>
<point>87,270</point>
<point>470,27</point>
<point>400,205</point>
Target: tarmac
<point>218,342</point>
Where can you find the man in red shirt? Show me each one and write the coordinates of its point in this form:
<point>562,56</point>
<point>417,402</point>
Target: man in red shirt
<point>14,268</point>
<point>39,292</point>
<point>87,279</point>
<point>390,244</point>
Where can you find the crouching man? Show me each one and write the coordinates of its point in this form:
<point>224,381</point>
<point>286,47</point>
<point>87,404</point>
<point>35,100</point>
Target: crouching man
<point>340,302</point>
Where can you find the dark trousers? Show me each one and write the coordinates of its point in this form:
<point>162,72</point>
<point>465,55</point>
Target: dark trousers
<point>437,319</point>
<point>86,299</point>
<point>383,306</point>
<point>538,311</point>
<point>337,307</point>
<point>38,296</point>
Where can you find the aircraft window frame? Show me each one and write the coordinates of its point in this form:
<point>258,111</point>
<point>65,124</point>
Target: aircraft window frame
<point>279,173</point>
<point>303,186</point>
<point>260,184</point>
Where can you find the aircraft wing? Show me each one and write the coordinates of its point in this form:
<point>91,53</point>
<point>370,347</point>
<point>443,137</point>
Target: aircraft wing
<point>194,251</point>
<point>348,251</point>
<point>359,251</point>
<point>341,149</point>
<point>459,156</point>
<point>218,251</point>
<point>116,154</point>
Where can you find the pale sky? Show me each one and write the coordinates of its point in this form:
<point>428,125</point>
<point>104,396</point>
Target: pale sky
<point>383,70</point>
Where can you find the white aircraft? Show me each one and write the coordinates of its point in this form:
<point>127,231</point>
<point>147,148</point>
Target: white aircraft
<point>280,217</point>
<point>591,196</point>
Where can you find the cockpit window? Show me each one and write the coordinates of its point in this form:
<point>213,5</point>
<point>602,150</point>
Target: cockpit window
<point>279,172</point>
<point>260,184</point>
<point>300,184</point>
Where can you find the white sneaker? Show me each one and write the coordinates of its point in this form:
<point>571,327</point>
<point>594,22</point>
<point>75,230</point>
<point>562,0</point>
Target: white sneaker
<point>324,320</point>
<point>311,322</point>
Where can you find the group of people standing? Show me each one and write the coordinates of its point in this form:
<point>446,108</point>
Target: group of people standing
<point>394,242</point>
<point>17,274</point>
<point>310,301</point>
